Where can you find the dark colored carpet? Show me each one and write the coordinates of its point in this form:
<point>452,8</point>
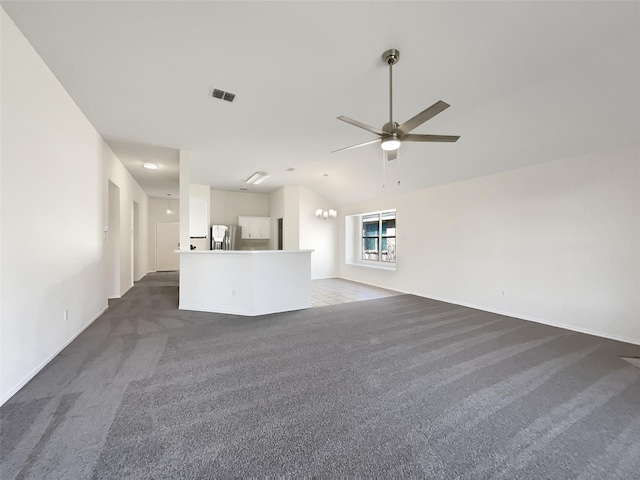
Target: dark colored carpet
<point>401,386</point>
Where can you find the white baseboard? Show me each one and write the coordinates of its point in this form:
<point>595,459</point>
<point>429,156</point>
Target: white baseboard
<point>634,341</point>
<point>36,370</point>
<point>122,294</point>
<point>380,286</point>
<point>529,318</point>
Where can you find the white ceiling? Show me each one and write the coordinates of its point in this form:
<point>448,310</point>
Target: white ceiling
<point>527,82</point>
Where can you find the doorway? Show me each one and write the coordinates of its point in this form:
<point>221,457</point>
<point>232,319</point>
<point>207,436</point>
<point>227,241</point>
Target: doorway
<point>167,242</point>
<point>280,232</point>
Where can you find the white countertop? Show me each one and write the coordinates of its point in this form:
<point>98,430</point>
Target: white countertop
<point>241,252</point>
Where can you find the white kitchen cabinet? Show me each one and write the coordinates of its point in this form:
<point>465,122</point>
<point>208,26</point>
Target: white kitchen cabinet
<point>255,228</point>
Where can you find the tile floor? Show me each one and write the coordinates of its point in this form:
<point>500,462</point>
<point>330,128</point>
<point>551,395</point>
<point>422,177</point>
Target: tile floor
<point>331,291</point>
<point>632,360</point>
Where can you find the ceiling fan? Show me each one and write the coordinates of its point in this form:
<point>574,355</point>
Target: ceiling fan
<point>392,134</point>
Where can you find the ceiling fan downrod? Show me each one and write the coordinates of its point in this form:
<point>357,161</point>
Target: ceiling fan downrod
<point>391,57</point>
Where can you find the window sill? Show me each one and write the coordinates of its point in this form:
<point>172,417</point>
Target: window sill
<point>376,265</point>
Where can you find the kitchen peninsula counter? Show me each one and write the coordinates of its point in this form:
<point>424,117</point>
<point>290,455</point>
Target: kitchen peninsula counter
<point>245,282</point>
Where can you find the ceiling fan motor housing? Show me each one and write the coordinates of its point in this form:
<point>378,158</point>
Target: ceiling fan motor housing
<point>387,127</point>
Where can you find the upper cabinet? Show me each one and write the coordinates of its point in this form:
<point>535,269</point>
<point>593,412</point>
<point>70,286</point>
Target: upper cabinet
<point>255,228</point>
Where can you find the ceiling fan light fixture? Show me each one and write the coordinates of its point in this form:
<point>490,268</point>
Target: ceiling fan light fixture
<point>390,143</point>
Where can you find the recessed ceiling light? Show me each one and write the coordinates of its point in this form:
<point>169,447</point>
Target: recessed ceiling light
<point>290,169</point>
<point>151,166</point>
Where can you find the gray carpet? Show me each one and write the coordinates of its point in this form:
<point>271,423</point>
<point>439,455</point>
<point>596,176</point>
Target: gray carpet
<point>395,387</point>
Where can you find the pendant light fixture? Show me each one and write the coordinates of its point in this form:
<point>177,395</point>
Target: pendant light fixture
<point>323,213</point>
<point>169,211</point>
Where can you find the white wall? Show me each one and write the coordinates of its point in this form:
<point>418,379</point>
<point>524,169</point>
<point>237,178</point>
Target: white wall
<point>561,239</point>
<point>285,203</point>
<point>291,219</point>
<point>199,215</point>
<point>130,191</point>
<point>276,211</point>
<point>319,235</point>
<point>54,208</point>
<point>158,213</point>
<point>302,230</point>
<point>227,206</point>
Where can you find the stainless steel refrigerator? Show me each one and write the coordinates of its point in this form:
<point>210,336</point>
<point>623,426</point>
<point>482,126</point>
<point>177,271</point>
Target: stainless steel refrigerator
<point>226,237</point>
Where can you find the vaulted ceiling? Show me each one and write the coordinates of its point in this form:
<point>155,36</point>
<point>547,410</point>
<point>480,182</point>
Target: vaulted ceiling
<point>528,82</point>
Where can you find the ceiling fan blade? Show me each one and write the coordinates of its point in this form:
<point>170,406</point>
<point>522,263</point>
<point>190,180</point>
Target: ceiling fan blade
<point>358,145</point>
<point>422,117</point>
<point>368,128</point>
<point>429,138</point>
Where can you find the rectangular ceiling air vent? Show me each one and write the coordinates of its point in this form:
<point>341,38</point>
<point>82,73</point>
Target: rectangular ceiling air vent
<point>221,94</point>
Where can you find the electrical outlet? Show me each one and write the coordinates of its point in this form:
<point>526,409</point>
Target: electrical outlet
<point>504,293</point>
<point>233,293</point>
<point>66,315</point>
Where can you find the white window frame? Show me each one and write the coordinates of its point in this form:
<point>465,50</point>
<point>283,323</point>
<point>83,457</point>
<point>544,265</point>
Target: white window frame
<point>354,243</point>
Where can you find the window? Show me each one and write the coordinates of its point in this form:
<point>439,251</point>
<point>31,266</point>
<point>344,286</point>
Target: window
<point>379,237</point>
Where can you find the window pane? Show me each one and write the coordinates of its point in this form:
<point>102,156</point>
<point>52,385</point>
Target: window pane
<point>370,230</point>
<point>370,225</point>
<point>370,249</point>
<point>371,244</point>
<point>388,250</point>
<point>389,227</point>
<point>388,253</point>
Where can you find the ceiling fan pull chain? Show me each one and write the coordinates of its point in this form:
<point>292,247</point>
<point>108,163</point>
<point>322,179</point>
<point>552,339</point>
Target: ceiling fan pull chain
<point>398,184</point>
